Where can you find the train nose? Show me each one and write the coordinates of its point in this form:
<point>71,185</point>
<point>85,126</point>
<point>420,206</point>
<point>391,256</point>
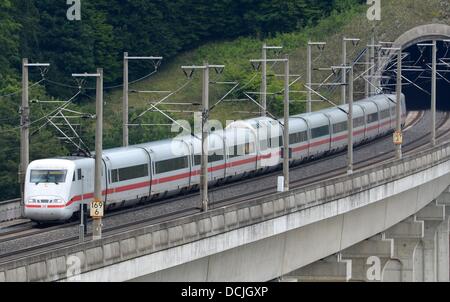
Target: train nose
<point>46,209</point>
<point>45,214</point>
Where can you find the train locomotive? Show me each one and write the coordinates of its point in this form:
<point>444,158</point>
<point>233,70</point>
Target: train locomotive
<point>55,187</point>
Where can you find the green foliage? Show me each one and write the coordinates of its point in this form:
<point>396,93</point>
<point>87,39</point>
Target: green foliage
<point>9,162</point>
<point>9,46</point>
<point>40,31</point>
<point>108,28</point>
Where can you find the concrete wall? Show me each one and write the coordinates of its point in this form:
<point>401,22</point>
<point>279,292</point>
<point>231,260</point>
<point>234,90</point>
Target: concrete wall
<point>258,240</point>
<point>10,210</point>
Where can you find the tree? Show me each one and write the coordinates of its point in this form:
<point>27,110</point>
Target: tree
<point>9,45</point>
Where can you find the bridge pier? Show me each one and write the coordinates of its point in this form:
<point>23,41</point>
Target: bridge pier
<point>416,249</point>
<point>433,215</point>
<point>443,263</point>
<point>407,236</point>
<point>443,244</point>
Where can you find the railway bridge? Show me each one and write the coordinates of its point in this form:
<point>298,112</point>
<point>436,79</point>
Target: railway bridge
<point>385,222</point>
<point>396,212</point>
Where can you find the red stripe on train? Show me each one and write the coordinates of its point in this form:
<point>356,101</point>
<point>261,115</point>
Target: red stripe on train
<point>212,169</point>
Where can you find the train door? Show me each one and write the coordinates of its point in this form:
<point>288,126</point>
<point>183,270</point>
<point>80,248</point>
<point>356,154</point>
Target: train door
<point>259,149</point>
<point>359,124</point>
<point>216,157</point>
<point>298,138</point>
<point>88,181</point>
<point>148,152</point>
<point>377,116</point>
<point>364,121</point>
<point>106,178</point>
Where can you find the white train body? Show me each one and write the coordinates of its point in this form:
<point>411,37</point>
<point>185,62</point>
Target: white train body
<point>55,188</point>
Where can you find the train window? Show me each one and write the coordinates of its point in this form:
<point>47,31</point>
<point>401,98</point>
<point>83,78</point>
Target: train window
<point>232,152</point>
<point>48,176</point>
<point>79,174</point>
<point>299,137</point>
<point>393,111</point>
<point>372,118</point>
<point>132,172</point>
<point>385,114</point>
<point>211,158</point>
<point>340,127</point>
<point>236,151</point>
<point>241,150</point>
<point>215,157</point>
<point>358,122</point>
<point>320,131</point>
<point>271,142</point>
<point>172,165</point>
<point>263,145</point>
<point>249,148</point>
<point>114,175</point>
<point>73,179</point>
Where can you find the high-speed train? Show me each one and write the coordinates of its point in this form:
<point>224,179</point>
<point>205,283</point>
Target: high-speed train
<point>55,187</point>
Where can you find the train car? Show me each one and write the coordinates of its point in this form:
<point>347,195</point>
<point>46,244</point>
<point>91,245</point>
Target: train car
<point>319,133</point>
<point>54,188</point>
<point>172,167</point>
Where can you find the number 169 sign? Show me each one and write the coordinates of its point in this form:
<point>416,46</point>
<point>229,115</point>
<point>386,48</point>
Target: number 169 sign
<point>97,209</point>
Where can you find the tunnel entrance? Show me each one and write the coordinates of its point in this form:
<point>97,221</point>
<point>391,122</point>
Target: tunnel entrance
<point>417,71</point>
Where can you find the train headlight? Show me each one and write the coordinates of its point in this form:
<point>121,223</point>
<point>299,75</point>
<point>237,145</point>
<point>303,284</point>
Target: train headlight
<point>57,200</point>
<point>32,200</point>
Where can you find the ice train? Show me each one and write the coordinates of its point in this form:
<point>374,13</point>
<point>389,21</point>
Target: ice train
<point>55,187</point>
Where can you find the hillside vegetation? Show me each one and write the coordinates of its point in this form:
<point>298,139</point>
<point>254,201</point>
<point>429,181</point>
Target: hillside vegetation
<point>185,32</point>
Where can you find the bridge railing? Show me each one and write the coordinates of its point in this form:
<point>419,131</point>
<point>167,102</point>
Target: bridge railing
<point>52,265</point>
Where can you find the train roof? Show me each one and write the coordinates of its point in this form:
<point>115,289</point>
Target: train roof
<point>71,158</point>
<point>313,119</point>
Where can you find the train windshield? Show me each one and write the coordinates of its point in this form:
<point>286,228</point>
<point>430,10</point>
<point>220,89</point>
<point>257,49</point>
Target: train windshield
<point>48,176</point>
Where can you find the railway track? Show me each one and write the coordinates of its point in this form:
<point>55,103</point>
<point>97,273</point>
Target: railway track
<point>421,142</point>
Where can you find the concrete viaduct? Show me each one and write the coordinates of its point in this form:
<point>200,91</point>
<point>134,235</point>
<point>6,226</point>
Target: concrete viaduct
<point>386,223</point>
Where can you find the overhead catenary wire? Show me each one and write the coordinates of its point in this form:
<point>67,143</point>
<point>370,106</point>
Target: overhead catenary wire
<point>20,90</point>
<point>54,112</point>
<point>153,106</point>
<point>75,133</point>
<point>106,88</point>
<point>45,116</point>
